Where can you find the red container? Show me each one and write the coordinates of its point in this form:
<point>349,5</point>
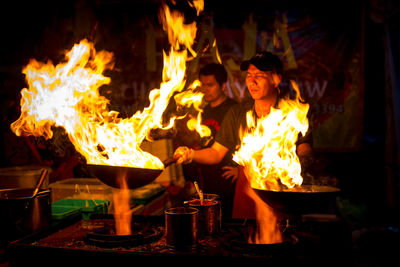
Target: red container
<point>209,216</point>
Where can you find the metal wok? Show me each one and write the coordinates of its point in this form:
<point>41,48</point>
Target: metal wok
<point>135,177</point>
<point>305,199</point>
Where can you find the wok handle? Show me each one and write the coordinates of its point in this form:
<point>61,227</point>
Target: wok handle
<point>169,161</point>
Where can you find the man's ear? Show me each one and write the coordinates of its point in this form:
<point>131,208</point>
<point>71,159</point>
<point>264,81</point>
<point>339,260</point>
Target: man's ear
<point>277,79</point>
<point>224,88</point>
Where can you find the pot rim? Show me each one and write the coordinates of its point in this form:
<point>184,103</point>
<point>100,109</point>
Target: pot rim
<point>19,192</point>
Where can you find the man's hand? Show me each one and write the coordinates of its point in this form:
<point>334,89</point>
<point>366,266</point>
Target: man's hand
<point>183,155</point>
<point>230,173</point>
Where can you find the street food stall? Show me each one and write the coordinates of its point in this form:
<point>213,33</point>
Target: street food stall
<point>105,186</point>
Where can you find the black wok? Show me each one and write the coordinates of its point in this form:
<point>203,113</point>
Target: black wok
<point>135,177</point>
<point>308,199</point>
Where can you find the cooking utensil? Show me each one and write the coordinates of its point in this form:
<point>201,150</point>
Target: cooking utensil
<point>20,219</point>
<point>307,199</point>
<point>134,177</point>
<point>39,183</point>
<point>210,197</point>
<point>181,227</point>
<point>208,216</point>
<point>37,188</point>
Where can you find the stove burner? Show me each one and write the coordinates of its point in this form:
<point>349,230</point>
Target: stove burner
<point>238,243</point>
<point>107,238</point>
<point>237,240</point>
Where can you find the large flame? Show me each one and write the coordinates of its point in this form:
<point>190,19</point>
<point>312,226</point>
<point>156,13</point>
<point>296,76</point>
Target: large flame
<point>268,147</point>
<point>67,95</point>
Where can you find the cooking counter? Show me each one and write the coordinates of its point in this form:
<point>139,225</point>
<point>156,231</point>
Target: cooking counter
<point>67,243</point>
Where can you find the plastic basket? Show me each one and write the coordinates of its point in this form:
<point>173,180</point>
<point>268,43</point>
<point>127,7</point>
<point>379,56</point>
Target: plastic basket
<point>86,206</point>
<point>61,212</point>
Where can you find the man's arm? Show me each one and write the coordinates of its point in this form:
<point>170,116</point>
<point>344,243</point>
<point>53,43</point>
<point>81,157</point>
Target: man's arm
<point>209,156</point>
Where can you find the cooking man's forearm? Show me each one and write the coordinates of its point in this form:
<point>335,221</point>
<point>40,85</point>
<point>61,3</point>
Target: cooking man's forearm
<point>207,156</point>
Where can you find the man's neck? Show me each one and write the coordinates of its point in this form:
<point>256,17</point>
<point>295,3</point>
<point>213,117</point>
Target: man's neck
<point>218,102</point>
<point>263,106</point>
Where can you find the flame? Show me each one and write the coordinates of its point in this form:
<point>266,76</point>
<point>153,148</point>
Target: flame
<point>267,231</point>
<point>122,211</point>
<point>195,98</point>
<point>216,51</point>
<point>268,146</point>
<point>67,95</point>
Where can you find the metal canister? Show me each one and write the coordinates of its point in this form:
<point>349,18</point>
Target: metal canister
<point>213,197</point>
<point>181,226</point>
<point>209,216</point>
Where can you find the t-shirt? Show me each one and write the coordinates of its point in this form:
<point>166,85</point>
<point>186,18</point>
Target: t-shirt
<point>212,174</point>
<point>235,119</point>
<point>212,117</point>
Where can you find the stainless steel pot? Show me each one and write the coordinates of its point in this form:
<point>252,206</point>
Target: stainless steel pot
<point>22,214</point>
<point>181,227</point>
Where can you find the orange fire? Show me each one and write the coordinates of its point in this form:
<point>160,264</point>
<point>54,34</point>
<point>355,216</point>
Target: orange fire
<point>268,147</point>
<point>267,231</point>
<point>122,210</point>
<point>67,95</point>
<point>268,154</point>
<point>195,97</point>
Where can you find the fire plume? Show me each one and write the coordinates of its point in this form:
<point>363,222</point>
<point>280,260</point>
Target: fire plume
<point>67,95</point>
<point>122,210</point>
<point>267,231</point>
<point>268,146</point>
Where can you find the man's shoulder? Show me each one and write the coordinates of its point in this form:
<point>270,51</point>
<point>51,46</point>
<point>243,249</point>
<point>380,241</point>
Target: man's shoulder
<point>230,102</point>
<point>239,109</point>
<point>245,105</point>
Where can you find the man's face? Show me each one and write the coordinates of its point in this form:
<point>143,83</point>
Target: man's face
<point>261,84</point>
<point>210,88</point>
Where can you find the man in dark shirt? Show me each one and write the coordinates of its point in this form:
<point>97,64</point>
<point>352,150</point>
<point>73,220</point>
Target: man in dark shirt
<point>263,75</point>
<point>217,178</point>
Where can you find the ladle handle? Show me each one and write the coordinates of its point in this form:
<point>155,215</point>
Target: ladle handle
<point>39,183</point>
<point>169,161</point>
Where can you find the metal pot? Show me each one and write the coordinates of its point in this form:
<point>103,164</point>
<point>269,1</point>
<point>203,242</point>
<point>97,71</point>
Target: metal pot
<point>22,214</point>
<point>181,227</point>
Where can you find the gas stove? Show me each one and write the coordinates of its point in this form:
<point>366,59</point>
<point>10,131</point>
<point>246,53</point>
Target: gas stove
<point>79,242</point>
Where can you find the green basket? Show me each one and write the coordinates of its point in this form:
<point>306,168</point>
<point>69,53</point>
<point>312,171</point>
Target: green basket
<point>61,212</point>
<point>86,206</point>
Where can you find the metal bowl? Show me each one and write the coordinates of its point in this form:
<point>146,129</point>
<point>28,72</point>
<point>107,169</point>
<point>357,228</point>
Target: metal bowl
<point>301,200</point>
<point>114,175</point>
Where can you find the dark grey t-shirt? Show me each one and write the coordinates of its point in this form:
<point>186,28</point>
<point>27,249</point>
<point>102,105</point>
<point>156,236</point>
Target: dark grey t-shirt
<point>235,119</point>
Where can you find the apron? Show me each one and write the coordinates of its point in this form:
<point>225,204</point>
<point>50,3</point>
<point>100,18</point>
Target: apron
<point>243,205</point>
